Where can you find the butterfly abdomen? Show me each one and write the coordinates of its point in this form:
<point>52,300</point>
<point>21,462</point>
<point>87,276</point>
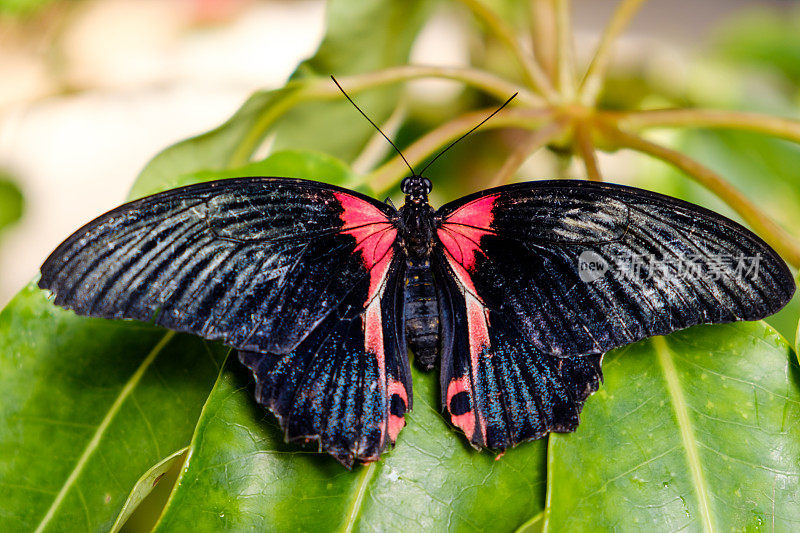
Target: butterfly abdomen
<point>422,312</point>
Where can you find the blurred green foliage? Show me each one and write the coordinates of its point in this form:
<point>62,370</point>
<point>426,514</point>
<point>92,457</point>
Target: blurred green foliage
<point>24,8</point>
<point>12,202</point>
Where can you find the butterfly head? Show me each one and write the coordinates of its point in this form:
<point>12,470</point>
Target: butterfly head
<point>416,188</point>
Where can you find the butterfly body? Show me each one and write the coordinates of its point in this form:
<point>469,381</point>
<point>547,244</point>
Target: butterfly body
<point>322,290</point>
<point>417,241</point>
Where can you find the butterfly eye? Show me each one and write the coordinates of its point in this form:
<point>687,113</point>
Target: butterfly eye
<point>404,185</point>
<point>428,185</point>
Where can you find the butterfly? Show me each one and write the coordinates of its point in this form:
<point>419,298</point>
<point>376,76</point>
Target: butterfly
<point>517,291</point>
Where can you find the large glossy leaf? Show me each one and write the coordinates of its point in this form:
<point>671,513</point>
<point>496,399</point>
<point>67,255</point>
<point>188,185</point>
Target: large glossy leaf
<point>287,164</point>
<point>241,476</point>
<point>697,431</point>
<point>113,398</point>
<point>144,487</point>
<point>218,149</point>
<point>87,406</point>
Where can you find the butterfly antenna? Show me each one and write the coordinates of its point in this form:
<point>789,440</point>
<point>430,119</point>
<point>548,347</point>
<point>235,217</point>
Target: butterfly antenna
<point>375,126</point>
<point>470,131</point>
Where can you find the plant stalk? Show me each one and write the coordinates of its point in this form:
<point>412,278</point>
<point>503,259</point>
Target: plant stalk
<point>531,71</point>
<point>592,82</point>
<point>783,128</point>
<point>536,140</point>
<point>320,89</point>
<point>385,177</point>
<point>587,151</point>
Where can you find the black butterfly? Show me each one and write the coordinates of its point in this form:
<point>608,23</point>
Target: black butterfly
<point>518,289</point>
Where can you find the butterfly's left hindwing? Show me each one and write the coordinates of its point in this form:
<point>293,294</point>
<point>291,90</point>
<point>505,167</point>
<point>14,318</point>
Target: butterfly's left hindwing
<point>347,386</point>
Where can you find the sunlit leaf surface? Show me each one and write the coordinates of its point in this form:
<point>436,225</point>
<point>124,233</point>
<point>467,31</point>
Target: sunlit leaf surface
<point>242,476</point>
<point>696,431</point>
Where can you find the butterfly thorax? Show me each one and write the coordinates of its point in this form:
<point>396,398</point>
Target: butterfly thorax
<point>421,305</point>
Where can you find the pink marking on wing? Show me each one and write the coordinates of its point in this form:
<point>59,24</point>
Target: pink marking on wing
<point>377,275</point>
<point>373,319</point>
<point>478,324</point>
<point>396,423</point>
<point>464,421</point>
<point>461,232</point>
<point>373,323</point>
<point>477,327</point>
<point>477,213</point>
<point>358,212</point>
<point>461,273</point>
<point>463,243</point>
<point>395,387</point>
<point>374,233</point>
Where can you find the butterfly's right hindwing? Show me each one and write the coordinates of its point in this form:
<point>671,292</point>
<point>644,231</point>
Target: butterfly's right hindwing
<point>498,387</point>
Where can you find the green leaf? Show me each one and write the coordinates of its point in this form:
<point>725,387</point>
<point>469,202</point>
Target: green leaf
<point>362,36</point>
<point>145,486</point>
<point>87,406</point>
<point>241,476</point>
<point>287,164</point>
<point>217,149</point>
<point>11,202</point>
<point>24,8</point>
<point>694,431</point>
<point>762,37</point>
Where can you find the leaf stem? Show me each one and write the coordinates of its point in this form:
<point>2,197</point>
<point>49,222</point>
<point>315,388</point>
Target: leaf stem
<point>775,236</point>
<point>592,81</point>
<point>583,139</point>
<point>543,35</point>
<point>783,128</point>
<point>531,144</point>
<point>319,89</point>
<point>385,177</point>
<point>531,71</point>
<point>566,51</point>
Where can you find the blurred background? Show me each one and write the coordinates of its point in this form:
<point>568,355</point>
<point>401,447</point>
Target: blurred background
<point>90,90</point>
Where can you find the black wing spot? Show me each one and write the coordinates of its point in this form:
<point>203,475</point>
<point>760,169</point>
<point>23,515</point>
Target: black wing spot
<point>398,406</point>
<point>460,404</point>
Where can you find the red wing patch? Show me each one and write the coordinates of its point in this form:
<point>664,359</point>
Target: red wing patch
<point>460,233</point>
<point>375,236</point>
<point>477,213</point>
<point>460,392</point>
<point>398,404</point>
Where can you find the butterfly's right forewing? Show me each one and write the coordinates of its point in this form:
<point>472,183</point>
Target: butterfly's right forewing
<point>305,279</point>
<point>539,279</point>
